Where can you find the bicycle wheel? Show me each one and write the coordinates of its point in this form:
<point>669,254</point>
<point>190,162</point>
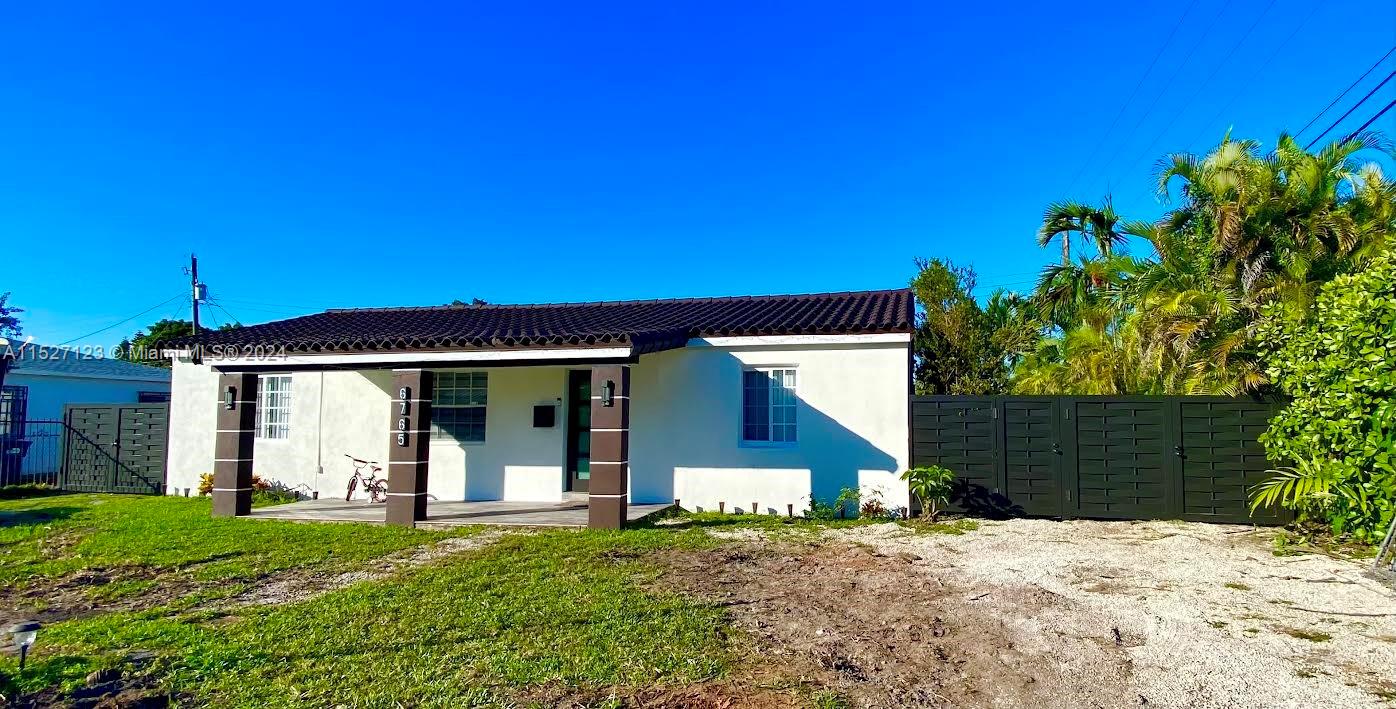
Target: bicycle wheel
<point>353,483</point>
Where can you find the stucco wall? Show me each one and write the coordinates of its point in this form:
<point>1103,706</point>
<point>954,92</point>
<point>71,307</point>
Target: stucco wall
<point>851,425</point>
<point>684,443</point>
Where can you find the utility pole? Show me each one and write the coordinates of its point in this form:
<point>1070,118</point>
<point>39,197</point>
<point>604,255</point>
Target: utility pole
<point>197,290</point>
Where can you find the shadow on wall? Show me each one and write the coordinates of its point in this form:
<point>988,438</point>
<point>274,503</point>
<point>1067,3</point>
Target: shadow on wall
<point>703,422</point>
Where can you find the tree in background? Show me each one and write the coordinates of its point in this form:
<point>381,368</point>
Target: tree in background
<point>961,347</point>
<point>143,347</point>
<point>1250,231</point>
<point>9,320</point>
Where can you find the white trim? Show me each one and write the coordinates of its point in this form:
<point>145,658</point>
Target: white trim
<point>769,340</point>
<point>232,489</point>
<point>405,494</point>
<point>608,494</point>
<point>454,356</point>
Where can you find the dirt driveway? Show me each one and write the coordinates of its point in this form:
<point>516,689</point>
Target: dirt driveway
<point>1044,613</point>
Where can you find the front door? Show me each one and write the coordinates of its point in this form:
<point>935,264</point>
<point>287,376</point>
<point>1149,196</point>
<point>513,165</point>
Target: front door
<point>578,429</point>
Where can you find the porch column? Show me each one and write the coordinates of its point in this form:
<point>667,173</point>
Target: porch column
<point>610,446</point>
<point>409,446</point>
<point>233,443</point>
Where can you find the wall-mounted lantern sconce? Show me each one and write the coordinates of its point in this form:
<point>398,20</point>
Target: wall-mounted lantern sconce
<point>230,396</point>
<point>608,393</point>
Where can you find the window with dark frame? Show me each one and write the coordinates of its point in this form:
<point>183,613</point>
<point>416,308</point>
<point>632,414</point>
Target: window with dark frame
<point>14,406</point>
<point>768,405</point>
<point>458,404</point>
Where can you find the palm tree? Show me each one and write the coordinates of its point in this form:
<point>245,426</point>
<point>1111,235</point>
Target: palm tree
<point>1092,225</point>
<point>1252,234</point>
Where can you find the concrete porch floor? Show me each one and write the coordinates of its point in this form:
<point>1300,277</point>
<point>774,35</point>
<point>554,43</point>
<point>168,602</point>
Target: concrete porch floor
<point>570,512</point>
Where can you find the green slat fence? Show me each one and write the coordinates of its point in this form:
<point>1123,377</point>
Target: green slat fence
<point>1101,457</point>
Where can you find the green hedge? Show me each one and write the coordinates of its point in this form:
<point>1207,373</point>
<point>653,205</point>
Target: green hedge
<point>1338,364</point>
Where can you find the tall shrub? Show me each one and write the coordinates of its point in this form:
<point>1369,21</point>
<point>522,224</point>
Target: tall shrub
<point>1338,365</point>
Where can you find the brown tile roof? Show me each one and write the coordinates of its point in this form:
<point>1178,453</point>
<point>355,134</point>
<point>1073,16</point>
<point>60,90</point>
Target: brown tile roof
<point>646,325</point>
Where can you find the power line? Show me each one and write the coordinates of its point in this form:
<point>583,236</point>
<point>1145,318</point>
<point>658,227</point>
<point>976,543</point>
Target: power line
<point>1370,121</point>
<point>1350,110</point>
<point>119,322</point>
<point>1137,85</point>
<point>1345,91</point>
<point>1193,96</point>
<point>1256,75</point>
<point>1168,84</point>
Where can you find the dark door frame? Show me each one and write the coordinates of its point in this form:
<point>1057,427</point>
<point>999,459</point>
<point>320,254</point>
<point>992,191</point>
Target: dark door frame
<point>571,483</point>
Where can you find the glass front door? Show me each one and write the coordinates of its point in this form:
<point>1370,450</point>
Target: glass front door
<point>578,430</point>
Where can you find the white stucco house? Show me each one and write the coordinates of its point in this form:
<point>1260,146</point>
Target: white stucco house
<point>42,380</point>
<point>769,400</point>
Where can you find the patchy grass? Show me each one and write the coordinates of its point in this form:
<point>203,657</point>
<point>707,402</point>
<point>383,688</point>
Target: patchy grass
<point>1312,636</point>
<point>50,537</point>
<point>953,526</point>
<point>566,611</point>
<point>560,607</point>
<point>1236,586</point>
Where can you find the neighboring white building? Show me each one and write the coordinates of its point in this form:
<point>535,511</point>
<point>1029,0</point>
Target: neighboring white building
<point>768,400</point>
<point>42,380</point>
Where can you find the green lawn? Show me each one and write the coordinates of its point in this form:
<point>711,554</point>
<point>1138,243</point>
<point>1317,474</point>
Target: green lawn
<point>569,608</point>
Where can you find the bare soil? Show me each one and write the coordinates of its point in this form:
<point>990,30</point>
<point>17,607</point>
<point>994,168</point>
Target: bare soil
<point>870,627</point>
<point>1029,613</point>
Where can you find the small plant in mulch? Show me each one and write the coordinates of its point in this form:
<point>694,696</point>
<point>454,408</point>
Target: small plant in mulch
<point>931,485</point>
<point>264,492</point>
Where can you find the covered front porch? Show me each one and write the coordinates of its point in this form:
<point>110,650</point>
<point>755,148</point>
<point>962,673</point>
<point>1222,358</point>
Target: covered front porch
<point>571,512</point>
<point>538,466</point>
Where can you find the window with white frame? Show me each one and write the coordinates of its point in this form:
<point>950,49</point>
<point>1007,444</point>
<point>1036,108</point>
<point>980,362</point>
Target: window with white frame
<point>458,401</point>
<point>768,405</point>
<point>274,406</point>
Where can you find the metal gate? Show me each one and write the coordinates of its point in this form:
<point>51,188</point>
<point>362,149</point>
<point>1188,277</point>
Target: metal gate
<point>1190,458</point>
<point>115,448</point>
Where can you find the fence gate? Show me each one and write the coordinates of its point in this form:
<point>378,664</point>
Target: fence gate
<point>115,448</point>
<point>1190,458</point>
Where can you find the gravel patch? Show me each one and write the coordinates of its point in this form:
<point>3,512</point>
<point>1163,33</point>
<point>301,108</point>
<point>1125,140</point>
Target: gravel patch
<point>1205,615</point>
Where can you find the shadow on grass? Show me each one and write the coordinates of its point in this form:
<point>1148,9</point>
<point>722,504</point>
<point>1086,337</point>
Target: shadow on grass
<point>38,516</point>
<point>28,491</point>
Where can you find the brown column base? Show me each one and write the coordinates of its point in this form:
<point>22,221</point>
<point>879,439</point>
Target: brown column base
<point>232,503</point>
<point>605,512</point>
<point>406,509</point>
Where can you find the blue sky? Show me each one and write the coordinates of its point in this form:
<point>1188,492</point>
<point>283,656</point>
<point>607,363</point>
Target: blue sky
<point>411,153</point>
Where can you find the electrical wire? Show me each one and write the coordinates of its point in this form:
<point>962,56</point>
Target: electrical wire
<point>1255,75</point>
<point>1350,87</point>
<point>119,322</point>
<point>1137,85</point>
<point>1350,110</point>
<point>1370,121</point>
<point>1193,95</point>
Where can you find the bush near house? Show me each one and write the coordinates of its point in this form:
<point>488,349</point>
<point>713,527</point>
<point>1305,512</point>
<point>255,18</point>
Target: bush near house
<point>1338,363</point>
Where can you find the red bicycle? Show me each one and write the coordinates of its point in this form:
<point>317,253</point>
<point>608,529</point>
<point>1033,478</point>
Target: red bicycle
<point>376,487</point>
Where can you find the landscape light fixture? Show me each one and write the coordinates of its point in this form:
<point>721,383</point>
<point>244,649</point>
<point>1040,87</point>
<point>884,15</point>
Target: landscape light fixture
<point>23,635</point>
